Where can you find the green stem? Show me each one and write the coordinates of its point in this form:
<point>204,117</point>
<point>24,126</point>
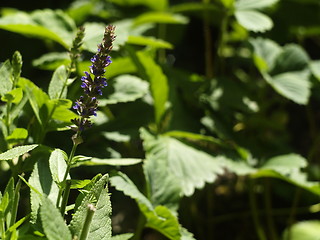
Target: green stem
<point>85,230</point>
<point>268,206</point>
<point>15,202</point>
<point>293,211</point>
<point>254,211</point>
<point>61,190</point>
<point>2,228</point>
<point>140,227</point>
<point>162,35</point>
<point>65,197</point>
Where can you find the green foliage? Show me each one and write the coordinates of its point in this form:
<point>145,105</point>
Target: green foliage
<point>16,152</point>
<point>308,230</point>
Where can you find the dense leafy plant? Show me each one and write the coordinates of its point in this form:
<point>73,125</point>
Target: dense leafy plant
<point>208,118</point>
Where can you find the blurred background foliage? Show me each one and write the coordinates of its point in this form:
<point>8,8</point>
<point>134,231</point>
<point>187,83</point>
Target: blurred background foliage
<point>220,97</point>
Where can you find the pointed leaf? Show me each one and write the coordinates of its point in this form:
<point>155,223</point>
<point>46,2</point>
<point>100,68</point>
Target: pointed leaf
<point>17,151</point>
<point>53,224</point>
<point>51,61</point>
<point>306,230</point>
<point>158,84</point>
<point>160,17</point>
<point>6,81</point>
<point>13,96</point>
<point>149,41</point>
<point>92,196</point>
<point>100,228</point>
<point>42,182</point>
<point>57,86</point>
<point>57,165</point>
<point>253,20</point>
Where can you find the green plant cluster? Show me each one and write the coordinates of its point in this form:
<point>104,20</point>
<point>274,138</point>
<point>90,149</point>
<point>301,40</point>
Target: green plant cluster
<point>208,128</point>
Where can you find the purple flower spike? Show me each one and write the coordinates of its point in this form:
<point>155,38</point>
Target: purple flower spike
<point>94,81</point>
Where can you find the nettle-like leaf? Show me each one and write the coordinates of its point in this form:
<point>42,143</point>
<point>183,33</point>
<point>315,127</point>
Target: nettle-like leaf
<point>126,88</point>
<point>285,69</point>
<point>247,15</point>
<point>42,185</point>
<point>53,224</point>
<point>190,167</point>
<point>306,230</point>
<point>16,152</point>
<point>159,217</point>
<point>57,87</point>
<point>44,24</point>
<point>98,196</point>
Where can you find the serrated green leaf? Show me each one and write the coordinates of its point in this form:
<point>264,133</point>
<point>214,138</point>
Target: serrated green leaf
<point>6,81</point>
<point>17,151</point>
<point>192,168</point>
<point>149,41</point>
<point>265,53</point>
<point>122,183</point>
<point>253,4</point>
<point>42,182</point>
<point>158,84</point>
<point>92,196</point>
<point>292,85</point>
<point>292,58</point>
<point>58,165</point>
<point>53,224</point>
<point>57,87</point>
<point>165,222</point>
<point>13,96</point>
<point>51,61</point>
<point>254,20</point>
<point>44,24</point>
<point>285,164</point>
<point>160,17</point>
<point>126,88</point>
<point>100,227</point>
<point>306,230</point>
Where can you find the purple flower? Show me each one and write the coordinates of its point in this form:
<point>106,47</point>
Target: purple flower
<point>94,81</point>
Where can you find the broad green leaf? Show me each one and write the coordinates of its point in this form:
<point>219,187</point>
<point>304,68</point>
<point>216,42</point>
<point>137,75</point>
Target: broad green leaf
<point>52,60</point>
<point>6,81</point>
<point>57,87</point>
<point>160,17</point>
<point>292,85</point>
<point>53,224</point>
<point>126,88</point>
<point>58,165</point>
<point>13,96</point>
<point>306,230</point>
<point>285,164</point>
<point>163,188</point>
<point>165,222</point>
<point>192,168</point>
<point>315,68</point>
<point>17,151</point>
<point>17,135</point>
<point>254,20</point>
<point>156,5</point>
<point>158,84</point>
<point>253,4</point>
<point>78,184</point>
<point>100,228</point>
<point>42,185</point>
<point>62,110</point>
<point>149,41</point>
<point>292,58</point>
<point>117,136</point>
<point>265,53</point>
<point>44,24</point>
<point>92,196</point>
<point>125,236</point>
<point>122,183</point>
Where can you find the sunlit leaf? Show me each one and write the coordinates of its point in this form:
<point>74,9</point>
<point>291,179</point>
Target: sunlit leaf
<point>253,4</point>
<point>149,41</point>
<point>14,96</point>
<point>17,151</point>
<point>160,17</point>
<point>306,230</point>
<point>6,81</point>
<point>254,20</point>
<point>57,87</point>
<point>57,165</point>
<point>156,5</point>
<point>51,61</point>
